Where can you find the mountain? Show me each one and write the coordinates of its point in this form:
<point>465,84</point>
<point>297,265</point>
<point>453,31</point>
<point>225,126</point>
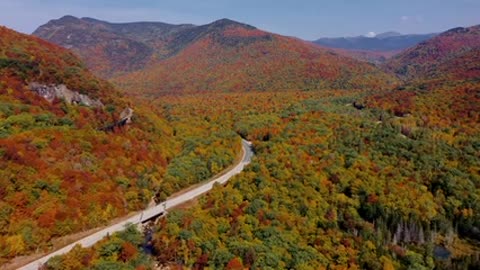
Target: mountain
<point>110,48</point>
<point>452,54</point>
<point>224,55</point>
<point>329,187</point>
<point>441,81</point>
<point>60,171</point>
<point>388,35</point>
<point>386,42</point>
<point>46,63</point>
<point>374,57</point>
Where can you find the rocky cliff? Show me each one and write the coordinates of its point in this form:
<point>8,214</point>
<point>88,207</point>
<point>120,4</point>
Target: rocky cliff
<point>51,92</point>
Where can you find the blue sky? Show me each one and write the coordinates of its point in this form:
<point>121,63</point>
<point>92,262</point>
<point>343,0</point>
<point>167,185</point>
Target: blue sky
<point>307,19</point>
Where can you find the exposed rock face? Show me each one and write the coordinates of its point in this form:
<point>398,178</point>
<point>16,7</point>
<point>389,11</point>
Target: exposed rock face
<point>125,119</point>
<point>126,115</point>
<point>50,92</point>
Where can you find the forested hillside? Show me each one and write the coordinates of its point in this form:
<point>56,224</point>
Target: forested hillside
<point>454,52</point>
<point>66,167</point>
<point>361,179</point>
<point>354,168</point>
<point>274,63</point>
<point>59,173</point>
<point>111,48</point>
<point>221,56</point>
<point>330,187</point>
<point>441,81</point>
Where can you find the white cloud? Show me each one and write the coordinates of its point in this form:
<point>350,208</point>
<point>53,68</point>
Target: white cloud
<point>371,34</point>
<point>404,18</point>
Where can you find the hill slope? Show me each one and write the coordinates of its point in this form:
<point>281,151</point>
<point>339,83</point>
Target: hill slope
<point>331,186</point>
<point>441,81</point>
<point>59,173</point>
<point>32,59</point>
<point>239,58</point>
<point>452,54</point>
<point>110,48</point>
<point>223,56</point>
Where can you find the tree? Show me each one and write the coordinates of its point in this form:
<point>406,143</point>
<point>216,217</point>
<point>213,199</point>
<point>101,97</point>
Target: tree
<point>15,245</point>
<point>235,264</point>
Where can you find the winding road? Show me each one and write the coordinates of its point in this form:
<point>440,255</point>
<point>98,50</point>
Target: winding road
<point>154,211</point>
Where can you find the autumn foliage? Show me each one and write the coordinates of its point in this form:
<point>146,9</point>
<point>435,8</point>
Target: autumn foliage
<point>381,176</point>
<point>237,59</point>
<point>452,55</point>
<point>62,173</point>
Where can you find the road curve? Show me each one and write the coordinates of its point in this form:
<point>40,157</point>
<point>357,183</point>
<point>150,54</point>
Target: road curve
<point>153,211</point>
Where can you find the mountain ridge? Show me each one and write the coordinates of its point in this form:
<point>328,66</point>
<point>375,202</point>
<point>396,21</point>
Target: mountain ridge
<point>124,46</point>
<point>388,41</point>
<point>388,34</point>
<point>425,60</point>
<point>210,54</point>
<point>440,83</point>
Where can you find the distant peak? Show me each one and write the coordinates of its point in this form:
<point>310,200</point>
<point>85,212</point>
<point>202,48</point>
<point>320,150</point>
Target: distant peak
<point>389,34</point>
<point>93,20</point>
<point>457,30</point>
<point>68,18</point>
<point>227,22</point>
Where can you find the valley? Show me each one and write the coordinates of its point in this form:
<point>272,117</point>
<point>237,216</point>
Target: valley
<point>154,212</point>
<point>353,164</point>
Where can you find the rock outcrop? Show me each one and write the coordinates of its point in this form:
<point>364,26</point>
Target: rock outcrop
<point>50,92</point>
<point>125,119</point>
<point>126,115</point>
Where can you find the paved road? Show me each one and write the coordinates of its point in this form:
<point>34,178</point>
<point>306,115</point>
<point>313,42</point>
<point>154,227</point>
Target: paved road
<point>153,211</point>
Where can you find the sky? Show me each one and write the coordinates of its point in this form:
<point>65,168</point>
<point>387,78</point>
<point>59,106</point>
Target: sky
<point>307,19</point>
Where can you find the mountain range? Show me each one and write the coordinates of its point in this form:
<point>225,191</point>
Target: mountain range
<point>112,48</point>
<point>385,42</point>
<point>369,186</point>
<point>224,55</point>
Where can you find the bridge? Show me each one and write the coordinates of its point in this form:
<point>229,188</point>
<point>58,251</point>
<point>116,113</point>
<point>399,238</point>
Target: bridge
<point>152,212</point>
